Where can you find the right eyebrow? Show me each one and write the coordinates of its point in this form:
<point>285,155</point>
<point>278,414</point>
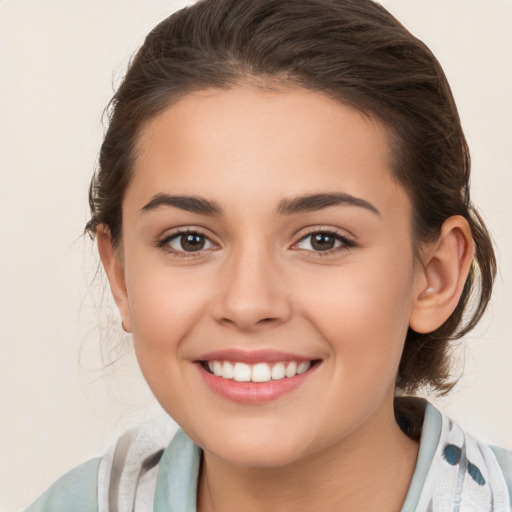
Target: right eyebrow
<point>192,204</point>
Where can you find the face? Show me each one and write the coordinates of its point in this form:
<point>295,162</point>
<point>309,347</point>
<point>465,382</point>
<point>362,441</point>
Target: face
<point>267,271</point>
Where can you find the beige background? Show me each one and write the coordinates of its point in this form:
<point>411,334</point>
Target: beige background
<point>58,61</point>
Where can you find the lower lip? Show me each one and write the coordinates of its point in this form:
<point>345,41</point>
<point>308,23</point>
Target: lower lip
<point>253,392</point>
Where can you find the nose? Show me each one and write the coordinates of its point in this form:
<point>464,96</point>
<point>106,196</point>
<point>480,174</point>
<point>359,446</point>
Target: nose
<point>252,293</point>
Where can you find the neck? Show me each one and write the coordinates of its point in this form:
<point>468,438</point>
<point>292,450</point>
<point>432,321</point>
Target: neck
<point>369,470</point>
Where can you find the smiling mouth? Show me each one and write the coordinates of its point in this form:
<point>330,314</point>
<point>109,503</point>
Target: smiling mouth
<point>259,372</point>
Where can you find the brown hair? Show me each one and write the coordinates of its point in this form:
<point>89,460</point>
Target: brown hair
<point>351,50</point>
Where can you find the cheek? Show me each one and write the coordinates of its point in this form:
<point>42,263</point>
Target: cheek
<point>164,307</point>
<point>363,312</point>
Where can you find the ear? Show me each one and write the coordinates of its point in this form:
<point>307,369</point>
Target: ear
<point>440,280</point>
<point>114,268</point>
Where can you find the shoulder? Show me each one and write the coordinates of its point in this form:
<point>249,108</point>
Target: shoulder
<point>456,469</point>
<point>76,490</point>
<point>145,472</point>
<point>504,458</point>
<point>127,473</point>
<point>123,479</point>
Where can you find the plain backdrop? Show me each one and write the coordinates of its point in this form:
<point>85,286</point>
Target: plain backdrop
<point>61,402</point>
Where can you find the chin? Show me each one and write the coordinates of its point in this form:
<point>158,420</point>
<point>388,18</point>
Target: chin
<point>257,448</point>
<point>270,456</point>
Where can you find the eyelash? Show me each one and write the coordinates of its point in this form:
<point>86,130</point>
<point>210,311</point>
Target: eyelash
<point>163,244</point>
<point>346,243</point>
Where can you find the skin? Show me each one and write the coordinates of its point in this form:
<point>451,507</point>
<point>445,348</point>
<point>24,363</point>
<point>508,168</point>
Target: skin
<point>259,283</point>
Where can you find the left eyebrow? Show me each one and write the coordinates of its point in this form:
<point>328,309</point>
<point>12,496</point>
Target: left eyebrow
<point>315,202</point>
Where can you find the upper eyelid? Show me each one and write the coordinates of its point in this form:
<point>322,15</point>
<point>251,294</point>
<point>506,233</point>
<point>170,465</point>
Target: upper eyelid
<point>342,234</point>
<point>164,241</point>
<point>183,231</point>
<point>305,232</point>
<point>326,231</point>
<point>346,240</point>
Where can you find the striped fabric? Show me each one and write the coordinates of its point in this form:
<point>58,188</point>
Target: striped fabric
<point>143,472</point>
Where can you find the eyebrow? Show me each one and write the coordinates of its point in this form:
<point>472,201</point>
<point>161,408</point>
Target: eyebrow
<point>300,204</point>
<point>315,202</point>
<point>188,203</point>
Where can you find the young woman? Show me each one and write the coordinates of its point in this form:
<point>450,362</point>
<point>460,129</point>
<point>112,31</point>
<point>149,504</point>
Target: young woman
<point>282,208</point>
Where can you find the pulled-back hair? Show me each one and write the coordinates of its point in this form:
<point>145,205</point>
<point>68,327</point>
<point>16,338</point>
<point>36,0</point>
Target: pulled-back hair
<point>351,50</point>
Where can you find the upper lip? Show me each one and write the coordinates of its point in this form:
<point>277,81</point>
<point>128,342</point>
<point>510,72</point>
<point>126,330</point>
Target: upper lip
<point>252,356</point>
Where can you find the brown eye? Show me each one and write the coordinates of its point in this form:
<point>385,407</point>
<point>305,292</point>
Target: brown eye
<point>324,241</point>
<point>192,242</point>
<point>187,242</point>
<point>319,242</point>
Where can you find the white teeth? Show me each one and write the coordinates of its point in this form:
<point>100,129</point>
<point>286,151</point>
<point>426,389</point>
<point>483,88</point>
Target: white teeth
<point>304,366</point>
<point>278,371</point>
<point>259,372</point>
<point>291,369</point>
<point>242,372</point>
<point>217,368</point>
<point>228,372</point>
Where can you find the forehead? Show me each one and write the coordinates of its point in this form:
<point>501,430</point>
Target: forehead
<point>248,142</point>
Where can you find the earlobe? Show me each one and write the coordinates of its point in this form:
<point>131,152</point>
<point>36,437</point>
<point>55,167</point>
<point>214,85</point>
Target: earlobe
<point>440,281</point>
<point>114,269</point>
